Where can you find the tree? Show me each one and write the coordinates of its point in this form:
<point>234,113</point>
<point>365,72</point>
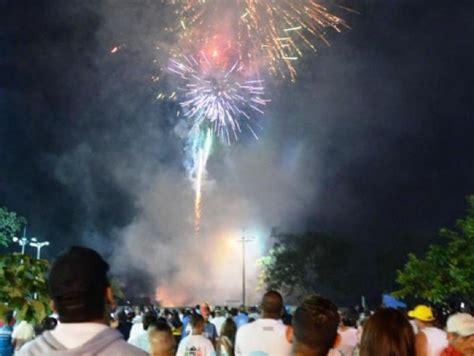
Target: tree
<point>23,287</point>
<point>446,270</point>
<point>10,225</point>
<point>300,264</point>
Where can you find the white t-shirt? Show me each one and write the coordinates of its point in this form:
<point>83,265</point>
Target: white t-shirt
<point>136,330</point>
<point>195,345</point>
<point>73,335</point>
<point>23,331</point>
<point>262,337</point>
<point>218,322</point>
<point>140,340</point>
<point>437,340</point>
<point>348,340</point>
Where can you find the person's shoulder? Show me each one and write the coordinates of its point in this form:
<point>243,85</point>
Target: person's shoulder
<point>207,343</point>
<point>246,329</point>
<point>122,348</point>
<point>34,347</point>
<point>184,339</point>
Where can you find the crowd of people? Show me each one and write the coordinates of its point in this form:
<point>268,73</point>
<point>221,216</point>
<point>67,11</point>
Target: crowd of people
<point>87,322</point>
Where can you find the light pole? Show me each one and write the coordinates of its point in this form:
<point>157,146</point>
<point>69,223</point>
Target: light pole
<point>23,241</point>
<point>243,240</point>
<point>39,246</point>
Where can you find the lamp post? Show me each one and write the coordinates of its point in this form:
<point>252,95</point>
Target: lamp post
<point>243,240</point>
<point>23,241</point>
<point>39,245</point>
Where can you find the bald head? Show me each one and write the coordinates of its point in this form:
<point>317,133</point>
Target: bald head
<point>272,305</point>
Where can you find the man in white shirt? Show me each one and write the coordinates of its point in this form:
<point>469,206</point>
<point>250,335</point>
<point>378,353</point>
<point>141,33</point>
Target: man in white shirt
<point>218,321</point>
<point>268,335</point>
<point>140,339</point>
<point>196,343</point>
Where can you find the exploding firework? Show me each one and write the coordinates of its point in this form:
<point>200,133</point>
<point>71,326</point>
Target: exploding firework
<point>219,99</point>
<point>270,33</point>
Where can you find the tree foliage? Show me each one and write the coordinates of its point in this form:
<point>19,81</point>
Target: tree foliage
<point>446,270</point>
<point>299,264</point>
<point>23,287</point>
<point>10,225</point>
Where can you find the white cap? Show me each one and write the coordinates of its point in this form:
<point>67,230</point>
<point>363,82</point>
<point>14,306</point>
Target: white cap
<point>461,324</point>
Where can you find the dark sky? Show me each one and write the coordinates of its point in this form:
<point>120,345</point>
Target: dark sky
<point>394,98</point>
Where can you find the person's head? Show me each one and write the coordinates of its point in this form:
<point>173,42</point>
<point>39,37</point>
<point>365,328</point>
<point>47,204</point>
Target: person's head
<point>130,316</point>
<point>9,317</point>
<point>315,324</point>
<point>79,286</point>
<point>229,329</point>
<point>423,316</point>
<point>162,341</point>
<point>234,311</point>
<point>460,328</point>
<point>205,311</point>
<point>349,318</point>
<point>197,324</point>
<point>242,309</point>
<point>272,305</point>
<point>387,332</point>
<point>122,316</point>
<point>148,319</point>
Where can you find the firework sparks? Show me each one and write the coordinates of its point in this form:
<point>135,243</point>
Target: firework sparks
<point>273,34</point>
<point>219,99</point>
<point>201,155</point>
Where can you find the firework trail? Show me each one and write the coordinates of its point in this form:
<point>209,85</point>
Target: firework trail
<point>201,152</point>
<point>219,98</point>
<point>273,34</point>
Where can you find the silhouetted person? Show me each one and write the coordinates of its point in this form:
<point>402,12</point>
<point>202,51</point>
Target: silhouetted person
<point>266,335</point>
<point>388,332</point>
<point>429,341</point>
<point>196,343</point>
<point>161,338</point>
<point>81,296</point>
<point>315,324</point>
<point>124,325</point>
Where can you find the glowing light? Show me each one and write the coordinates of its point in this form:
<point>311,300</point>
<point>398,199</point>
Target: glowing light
<point>219,98</point>
<point>265,33</point>
<point>200,158</point>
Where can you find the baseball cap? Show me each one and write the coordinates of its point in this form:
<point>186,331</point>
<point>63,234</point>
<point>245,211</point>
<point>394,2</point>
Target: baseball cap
<point>461,324</point>
<point>422,312</point>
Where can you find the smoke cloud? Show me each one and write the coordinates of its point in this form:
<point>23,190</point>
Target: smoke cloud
<point>370,142</point>
<point>251,186</point>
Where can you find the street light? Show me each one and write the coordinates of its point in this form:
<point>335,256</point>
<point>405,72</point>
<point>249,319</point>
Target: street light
<point>243,240</point>
<point>38,245</point>
<point>23,241</point>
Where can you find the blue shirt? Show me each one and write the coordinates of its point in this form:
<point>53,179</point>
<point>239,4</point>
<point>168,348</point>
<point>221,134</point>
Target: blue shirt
<point>6,347</point>
<point>185,321</point>
<point>210,332</point>
<point>241,319</point>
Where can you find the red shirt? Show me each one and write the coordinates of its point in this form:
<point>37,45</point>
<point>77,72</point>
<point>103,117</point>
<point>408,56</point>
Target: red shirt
<point>450,351</point>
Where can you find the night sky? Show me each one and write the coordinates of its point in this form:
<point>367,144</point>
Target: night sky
<point>383,118</point>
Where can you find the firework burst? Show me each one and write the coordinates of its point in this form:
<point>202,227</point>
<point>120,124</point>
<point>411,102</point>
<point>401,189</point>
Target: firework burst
<point>220,99</point>
<point>269,33</point>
